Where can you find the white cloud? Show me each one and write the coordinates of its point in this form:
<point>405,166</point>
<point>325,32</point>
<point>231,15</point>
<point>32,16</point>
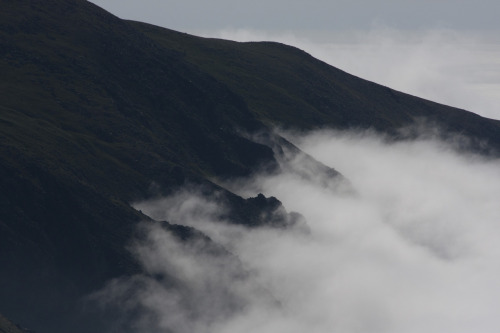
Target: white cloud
<point>455,68</point>
<point>413,249</point>
<point>417,246</point>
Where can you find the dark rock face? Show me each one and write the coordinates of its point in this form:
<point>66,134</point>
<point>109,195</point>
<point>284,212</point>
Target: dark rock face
<point>262,211</point>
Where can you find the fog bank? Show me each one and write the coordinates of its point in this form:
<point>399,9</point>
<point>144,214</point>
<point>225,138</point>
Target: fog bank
<point>414,248</point>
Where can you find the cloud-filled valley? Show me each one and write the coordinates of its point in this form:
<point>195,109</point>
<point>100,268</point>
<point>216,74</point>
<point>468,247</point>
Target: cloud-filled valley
<point>412,247</point>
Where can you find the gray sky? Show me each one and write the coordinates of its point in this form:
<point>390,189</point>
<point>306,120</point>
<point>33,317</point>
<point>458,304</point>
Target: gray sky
<point>447,51</point>
<point>298,15</point>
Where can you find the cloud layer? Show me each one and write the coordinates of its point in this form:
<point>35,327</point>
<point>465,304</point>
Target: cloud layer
<point>414,248</point>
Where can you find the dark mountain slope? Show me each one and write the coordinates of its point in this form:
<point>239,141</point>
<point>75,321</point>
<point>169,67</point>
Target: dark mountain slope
<point>93,76</point>
<point>92,114</point>
<point>286,86</point>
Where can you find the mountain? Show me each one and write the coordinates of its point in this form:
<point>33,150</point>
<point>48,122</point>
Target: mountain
<point>97,112</point>
<point>285,86</point>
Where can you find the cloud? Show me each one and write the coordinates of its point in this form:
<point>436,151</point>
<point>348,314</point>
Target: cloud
<point>413,249</point>
<point>456,68</point>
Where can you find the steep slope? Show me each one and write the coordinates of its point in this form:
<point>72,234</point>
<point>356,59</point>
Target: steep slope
<point>285,86</point>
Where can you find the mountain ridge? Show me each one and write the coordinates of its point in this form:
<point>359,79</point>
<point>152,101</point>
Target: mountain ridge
<point>327,86</point>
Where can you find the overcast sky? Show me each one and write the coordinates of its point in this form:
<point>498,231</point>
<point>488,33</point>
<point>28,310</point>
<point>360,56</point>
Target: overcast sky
<point>297,15</point>
<point>444,50</point>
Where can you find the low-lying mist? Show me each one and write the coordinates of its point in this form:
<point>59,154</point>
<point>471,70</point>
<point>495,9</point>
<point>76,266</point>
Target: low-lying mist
<point>412,248</point>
